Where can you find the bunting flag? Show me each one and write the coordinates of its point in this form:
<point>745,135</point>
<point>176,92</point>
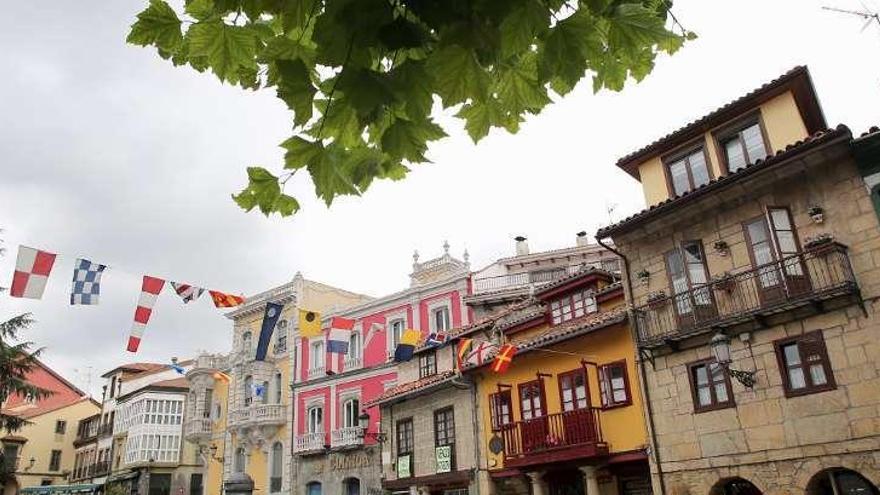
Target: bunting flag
<point>259,390</point>
<point>463,351</point>
<point>150,289</point>
<point>436,339</point>
<point>270,319</point>
<point>86,282</point>
<point>375,328</point>
<point>178,368</point>
<point>187,292</point>
<point>503,358</point>
<point>309,323</point>
<point>479,353</point>
<point>223,300</point>
<point>32,268</point>
<point>408,342</point>
<point>339,335</point>
<point>223,377</point>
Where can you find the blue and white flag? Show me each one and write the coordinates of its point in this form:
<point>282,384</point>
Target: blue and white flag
<point>339,335</point>
<point>259,390</point>
<point>178,368</point>
<point>436,339</point>
<point>86,282</point>
<point>270,318</point>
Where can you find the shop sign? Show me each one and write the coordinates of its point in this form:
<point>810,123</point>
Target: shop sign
<point>443,458</point>
<point>404,466</point>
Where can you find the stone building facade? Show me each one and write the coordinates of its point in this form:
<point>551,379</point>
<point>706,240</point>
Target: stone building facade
<point>776,262</point>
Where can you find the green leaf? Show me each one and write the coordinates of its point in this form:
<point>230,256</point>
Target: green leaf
<point>157,25</point>
<point>568,47</point>
<point>296,89</point>
<point>527,20</point>
<point>412,83</point>
<point>227,49</point>
<point>367,91</point>
<point>199,9</point>
<point>331,175</point>
<point>262,191</point>
<point>402,34</point>
<point>300,152</point>
<point>633,25</point>
<point>296,13</point>
<point>518,89</point>
<point>458,75</point>
<point>408,140</point>
<point>340,122</point>
<point>481,116</point>
<point>286,205</point>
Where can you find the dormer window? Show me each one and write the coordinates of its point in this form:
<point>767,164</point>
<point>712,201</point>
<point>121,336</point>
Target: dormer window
<point>573,306</point>
<point>687,171</point>
<point>743,145</point>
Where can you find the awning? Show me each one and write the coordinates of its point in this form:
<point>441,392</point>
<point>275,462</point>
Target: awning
<point>125,475</point>
<point>61,489</point>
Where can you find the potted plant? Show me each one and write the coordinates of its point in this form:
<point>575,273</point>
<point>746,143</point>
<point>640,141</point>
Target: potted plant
<point>657,299</point>
<point>820,244</point>
<point>721,247</point>
<point>644,277</point>
<point>724,281</point>
<point>816,213</point>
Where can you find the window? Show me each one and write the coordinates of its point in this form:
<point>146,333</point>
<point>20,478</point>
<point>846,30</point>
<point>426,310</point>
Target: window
<point>499,408</point>
<point>444,431</point>
<point>10,454</point>
<point>248,390</point>
<point>351,486</point>
<point>688,172</point>
<point>686,268</point>
<point>279,384</point>
<point>804,364</point>
<point>265,393</point>
<point>206,403</point>
<point>60,426</point>
<point>614,384</point>
<point>573,390</point>
<point>55,461</point>
<point>239,461</point>
<point>315,419</point>
<point>354,345</point>
<point>246,345</point>
<point>573,306</point>
<point>771,238</point>
<point>743,147</point>
<point>427,364</point>
<point>710,386</point>
<point>317,358</point>
<point>275,478</point>
<point>531,399</point>
<point>351,409</point>
<point>405,437</point>
<point>397,327</point>
<point>441,320</point>
<point>112,387</point>
<point>313,488</point>
<point>195,484</point>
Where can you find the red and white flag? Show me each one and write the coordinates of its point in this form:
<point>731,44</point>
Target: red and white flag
<point>32,268</point>
<point>187,292</point>
<point>480,352</point>
<point>150,290</point>
<point>375,328</point>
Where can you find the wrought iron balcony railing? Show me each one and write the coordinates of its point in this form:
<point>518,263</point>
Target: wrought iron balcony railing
<point>806,279</point>
<point>351,436</point>
<point>554,437</point>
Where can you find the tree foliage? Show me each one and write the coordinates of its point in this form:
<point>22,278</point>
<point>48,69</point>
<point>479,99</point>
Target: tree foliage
<point>362,76</point>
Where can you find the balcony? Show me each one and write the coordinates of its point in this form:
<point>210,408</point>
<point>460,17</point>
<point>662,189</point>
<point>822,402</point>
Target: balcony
<point>553,438</point>
<point>197,430</point>
<point>100,468</point>
<point>310,442</point>
<point>317,372</point>
<point>258,415</point>
<point>521,280</point>
<point>349,437</point>
<point>280,346</point>
<point>105,430</point>
<point>352,363</point>
<point>797,286</point>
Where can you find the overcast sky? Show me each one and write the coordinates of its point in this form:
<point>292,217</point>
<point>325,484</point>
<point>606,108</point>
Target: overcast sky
<point>110,153</point>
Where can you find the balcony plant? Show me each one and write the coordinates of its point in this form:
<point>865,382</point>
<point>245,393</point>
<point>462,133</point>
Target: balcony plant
<point>724,282</point>
<point>657,299</point>
<point>816,213</point>
<point>644,277</point>
<point>721,247</point>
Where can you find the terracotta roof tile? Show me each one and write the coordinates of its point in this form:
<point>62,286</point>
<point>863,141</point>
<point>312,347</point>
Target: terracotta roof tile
<point>405,389</point>
<point>587,270</point>
<point>790,151</point>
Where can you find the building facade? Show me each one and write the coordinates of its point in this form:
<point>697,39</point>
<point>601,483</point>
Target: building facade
<point>42,452</point>
<point>334,452</point>
<point>754,282</point>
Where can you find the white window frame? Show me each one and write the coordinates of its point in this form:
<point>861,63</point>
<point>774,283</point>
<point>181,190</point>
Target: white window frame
<point>392,319</point>
<point>314,356</point>
<point>309,418</point>
<point>271,458</point>
<point>434,307</point>
<point>357,338</point>
<point>346,401</point>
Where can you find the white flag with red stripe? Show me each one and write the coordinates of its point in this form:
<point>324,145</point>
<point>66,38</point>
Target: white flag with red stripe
<point>187,292</point>
<point>150,290</point>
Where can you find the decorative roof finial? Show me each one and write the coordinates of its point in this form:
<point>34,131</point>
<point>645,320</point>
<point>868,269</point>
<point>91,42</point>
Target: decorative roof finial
<point>415,256</point>
<point>445,247</point>
<point>466,256</point>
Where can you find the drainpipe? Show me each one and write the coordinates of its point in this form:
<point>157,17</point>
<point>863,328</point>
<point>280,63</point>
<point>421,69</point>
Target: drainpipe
<point>643,387</point>
<point>477,459</point>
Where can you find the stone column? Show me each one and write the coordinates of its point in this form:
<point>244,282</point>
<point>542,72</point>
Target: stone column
<point>591,484</point>
<point>538,485</point>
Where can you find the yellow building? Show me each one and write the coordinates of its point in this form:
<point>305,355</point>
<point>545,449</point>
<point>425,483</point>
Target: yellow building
<point>42,452</point>
<point>241,419</point>
<point>566,416</point>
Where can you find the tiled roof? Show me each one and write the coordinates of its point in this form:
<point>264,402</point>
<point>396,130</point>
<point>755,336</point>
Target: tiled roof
<point>790,151</point>
<point>405,389</point>
<point>39,411</point>
<point>491,319</point>
<point>814,118</point>
<point>135,368</point>
<point>588,270</point>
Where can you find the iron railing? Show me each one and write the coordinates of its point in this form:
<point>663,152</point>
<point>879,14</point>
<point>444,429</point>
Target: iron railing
<point>802,279</point>
<point>524,279</point>
<point>350,436</point>
<point>558,431</point>
<point>311,441</point>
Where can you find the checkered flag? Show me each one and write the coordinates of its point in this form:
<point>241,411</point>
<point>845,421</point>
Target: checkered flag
<point>86,282</point>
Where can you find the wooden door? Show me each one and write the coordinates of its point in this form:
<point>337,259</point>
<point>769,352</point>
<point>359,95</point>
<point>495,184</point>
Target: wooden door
<point>791,265</point>
<point>768,283</point>
<point>575,399</point>
<point>693,299</point>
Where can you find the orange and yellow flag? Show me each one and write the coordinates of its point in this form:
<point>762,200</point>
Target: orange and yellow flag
<point>223,300</point>
<point>503,358</point>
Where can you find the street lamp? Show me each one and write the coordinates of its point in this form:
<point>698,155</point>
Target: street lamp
<point>720,345</point>
<point>364,422</point>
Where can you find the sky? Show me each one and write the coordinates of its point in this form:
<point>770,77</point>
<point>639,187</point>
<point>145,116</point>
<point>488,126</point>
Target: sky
<point>108,152</point>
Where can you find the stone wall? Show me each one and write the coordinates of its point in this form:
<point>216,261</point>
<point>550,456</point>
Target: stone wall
<point>332,469</point>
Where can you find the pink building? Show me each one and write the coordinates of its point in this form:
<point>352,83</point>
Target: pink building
<point>334,453</point>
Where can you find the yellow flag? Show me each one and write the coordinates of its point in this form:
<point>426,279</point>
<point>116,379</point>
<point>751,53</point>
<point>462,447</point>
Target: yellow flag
<point>411,337</point>
<point>309,323</point>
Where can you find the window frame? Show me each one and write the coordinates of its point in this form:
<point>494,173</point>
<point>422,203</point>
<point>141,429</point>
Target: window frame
<point>309,426</point>
<point>572,374</point>
<point>411,442</point>
<point>441,309</point>
<point>831,383</point>
<point>447,412</point>
<point>427,364</point>
<point>55,460</point>
<point>495,414</point>
<point>277,460</point>
<point>734,130</point>
<point>626,384</point>
<point>60,424</point>
<point>683,153</point>
<point>543,397</point>
<point>715,405</point>
<point>355,411</point>
<point>568,300</point>
<point>393,335</point>
<point>315,355</point>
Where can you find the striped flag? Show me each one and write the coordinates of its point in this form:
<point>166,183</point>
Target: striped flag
<point>32,268</point>
<point>187,292</point>
<point>339,335</point>
<point>223,300</point>
<point>463,351</point>
<point>150,289</point>
<point>503,358</point>
<point>375,327</point>
<point>408,342</point>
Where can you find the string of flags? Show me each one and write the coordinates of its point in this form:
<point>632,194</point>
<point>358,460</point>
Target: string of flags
<point>34,266</point>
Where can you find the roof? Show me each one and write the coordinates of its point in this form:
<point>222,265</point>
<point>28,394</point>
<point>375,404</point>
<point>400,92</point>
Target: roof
<point>797,80</point>
<point>582,273</point>
<point>522,258</point>
<point>780,157</point>
<point>135,368</point>
<point>410,388</point>
<point>41,375</point>
<point>30,413</point>
<point>174,384</point>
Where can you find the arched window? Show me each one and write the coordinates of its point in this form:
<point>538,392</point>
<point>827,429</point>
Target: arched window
<point>276,476</point>
<point>313,488</point>
<point>239,461</point>
<point>350,412</point>
<point>315,419</point>
<point>734,486</point>
<point>246,341</point>
<point>351,486</point>
<point>248,390</point>
<point>354,346</point>
<point>840,481</point>
<point>278,385</point>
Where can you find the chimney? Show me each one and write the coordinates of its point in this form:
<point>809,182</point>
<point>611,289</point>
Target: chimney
<point>522,245</point>
<point>582,239</point>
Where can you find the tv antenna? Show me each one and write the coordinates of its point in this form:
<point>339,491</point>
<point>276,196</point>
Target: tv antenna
<point>866,14</point>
